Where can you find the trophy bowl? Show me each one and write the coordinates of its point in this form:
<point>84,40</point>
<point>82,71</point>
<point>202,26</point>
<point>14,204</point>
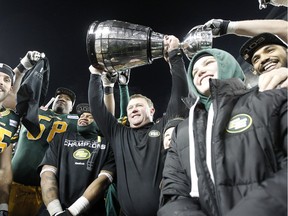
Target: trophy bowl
<point>117,45</point>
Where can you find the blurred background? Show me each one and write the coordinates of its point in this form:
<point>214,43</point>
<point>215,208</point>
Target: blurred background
<point>59,27</point>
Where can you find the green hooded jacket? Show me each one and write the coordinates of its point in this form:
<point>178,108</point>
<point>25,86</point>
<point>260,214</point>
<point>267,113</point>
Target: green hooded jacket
<point>228,67</point>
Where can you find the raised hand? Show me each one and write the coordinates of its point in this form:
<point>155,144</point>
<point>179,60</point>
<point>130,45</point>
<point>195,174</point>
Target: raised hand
<point>218,26</point>
<point>124,77</point>
<point>109,78</point>
<point>31,58</point>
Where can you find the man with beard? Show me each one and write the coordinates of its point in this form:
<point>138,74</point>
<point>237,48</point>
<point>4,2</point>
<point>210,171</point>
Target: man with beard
<point>267,53</point>
<point>25,195</point>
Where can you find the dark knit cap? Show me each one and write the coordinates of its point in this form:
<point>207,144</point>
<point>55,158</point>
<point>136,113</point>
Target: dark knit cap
<point>4,68</point>
<point>70,93</point>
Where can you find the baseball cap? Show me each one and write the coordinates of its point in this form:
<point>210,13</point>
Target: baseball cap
<point>70,93</point>
<point>252,45</point>
<point>4,68</point>
<point>81,108</point>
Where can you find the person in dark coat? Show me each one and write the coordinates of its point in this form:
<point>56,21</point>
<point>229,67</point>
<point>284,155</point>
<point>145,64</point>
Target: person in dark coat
<point>230,156</point>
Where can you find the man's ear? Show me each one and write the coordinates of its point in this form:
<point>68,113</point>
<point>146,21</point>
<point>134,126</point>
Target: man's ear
<point>152,111</point>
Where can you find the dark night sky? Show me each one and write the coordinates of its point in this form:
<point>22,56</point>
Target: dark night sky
<point>58,28</point>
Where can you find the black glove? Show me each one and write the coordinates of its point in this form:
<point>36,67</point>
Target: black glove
<point>3,213</point>
<point>63,213</point>
<point>124,77</point>
<point>219,27</point>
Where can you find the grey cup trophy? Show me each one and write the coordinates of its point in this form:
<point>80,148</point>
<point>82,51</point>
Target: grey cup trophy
<point>118,45</point>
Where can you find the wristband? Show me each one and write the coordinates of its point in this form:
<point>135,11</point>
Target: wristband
<point>59,213</point>
<point>224,27</point>
<point>21,68</point>
<point>3,207</point>
<point>54,207</point>
<point>48,169</point>
<point>79,206</point>
<point>107,175</point>
<point>108,90</point>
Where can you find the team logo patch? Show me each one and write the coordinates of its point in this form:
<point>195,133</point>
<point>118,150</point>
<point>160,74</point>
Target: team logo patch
<point>13,123</point>
<point>239,123</point>
<point>81,154</point>
<point>72,117</point>
<point>154,133</point>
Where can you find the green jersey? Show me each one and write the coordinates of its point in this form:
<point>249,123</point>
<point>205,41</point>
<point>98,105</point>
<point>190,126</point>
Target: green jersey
<point>9,122</point>
<point>30,150</point>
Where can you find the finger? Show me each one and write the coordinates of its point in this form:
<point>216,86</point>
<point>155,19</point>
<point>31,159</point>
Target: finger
<point>284,84</point>
<point>269,84</point>
<point>263,82</point>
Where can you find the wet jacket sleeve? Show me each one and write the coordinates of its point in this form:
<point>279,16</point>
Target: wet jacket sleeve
<point>175,198</point>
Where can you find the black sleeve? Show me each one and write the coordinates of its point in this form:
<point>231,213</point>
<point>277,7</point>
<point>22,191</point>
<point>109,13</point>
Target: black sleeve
<point>174,197</point>
<point>174,182</point>
<point>179,90</point>
<point>104,119</point>
<point>110,164</point>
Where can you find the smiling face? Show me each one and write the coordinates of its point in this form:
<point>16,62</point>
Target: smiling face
<point>205,68</point>
<point>5,86</point>
<point>269,57</point>
<point>139,112</point>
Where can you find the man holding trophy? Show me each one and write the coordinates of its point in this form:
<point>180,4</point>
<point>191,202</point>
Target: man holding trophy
<point>137,148</point>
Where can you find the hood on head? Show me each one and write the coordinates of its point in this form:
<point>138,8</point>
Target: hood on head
<point>228,67</point>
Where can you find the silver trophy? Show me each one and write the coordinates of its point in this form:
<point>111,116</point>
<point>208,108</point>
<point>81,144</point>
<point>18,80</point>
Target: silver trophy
<point>117,45</point>
<point>198,38</point>
<point>263,4</point>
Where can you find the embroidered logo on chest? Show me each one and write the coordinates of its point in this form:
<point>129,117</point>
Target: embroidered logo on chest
<point>239,123</point>
<point>154,133</point>
<point>81,154</point>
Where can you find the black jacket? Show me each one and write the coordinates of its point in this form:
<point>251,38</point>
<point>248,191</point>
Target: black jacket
<point>249,156</point>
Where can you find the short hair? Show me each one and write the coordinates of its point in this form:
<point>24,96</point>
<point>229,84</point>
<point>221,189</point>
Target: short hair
<point>150,103</point>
